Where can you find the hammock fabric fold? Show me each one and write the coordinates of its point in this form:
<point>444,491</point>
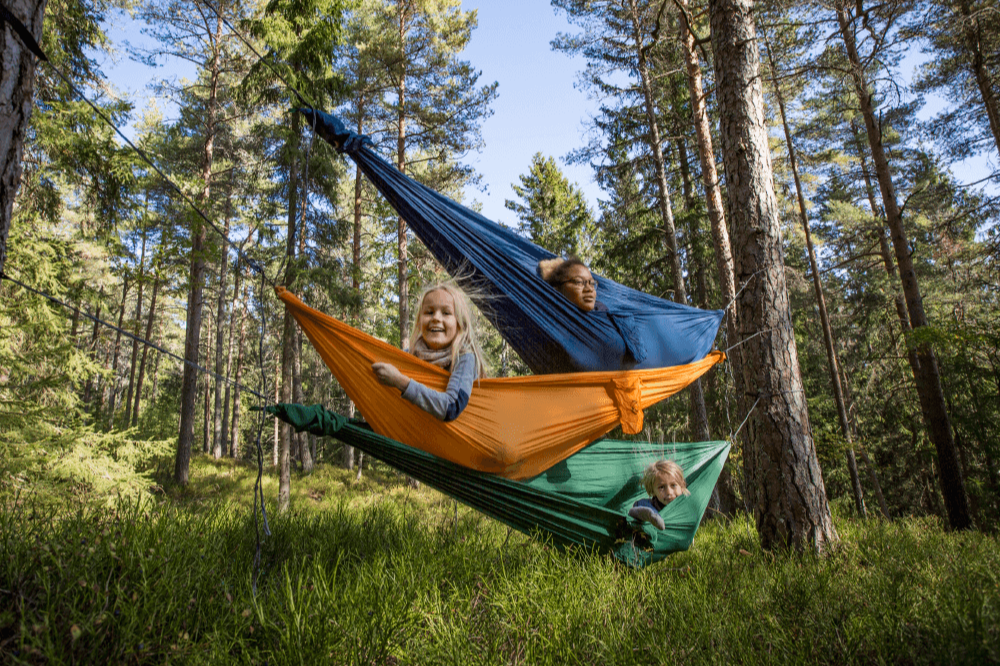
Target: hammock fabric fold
<point>544,328</point>
<point>583,501</point>
<point>513,427</point>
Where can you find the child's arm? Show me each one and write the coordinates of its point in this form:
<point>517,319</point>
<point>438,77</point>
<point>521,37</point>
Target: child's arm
<point>446,405</point>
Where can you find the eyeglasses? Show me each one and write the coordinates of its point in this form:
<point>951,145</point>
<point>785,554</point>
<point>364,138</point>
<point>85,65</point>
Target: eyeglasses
<point>580,283</point>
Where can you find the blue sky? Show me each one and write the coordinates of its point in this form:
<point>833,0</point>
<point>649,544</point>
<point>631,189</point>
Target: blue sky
<point>538,108</point>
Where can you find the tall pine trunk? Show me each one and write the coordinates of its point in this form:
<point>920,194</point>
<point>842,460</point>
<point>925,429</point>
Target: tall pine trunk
<point>288,337</point>
<point>192,338</point>
<point>17,86</point>
<point>235,436</point>
<point>972,30</point>
<point>824,318</point>
<point>113,380</point>
<point>695,392</point>
<point>145,349</point>
<point>218,445</point>
<point>785,483</point>
<point>136,324</point>
<point>927,377</point>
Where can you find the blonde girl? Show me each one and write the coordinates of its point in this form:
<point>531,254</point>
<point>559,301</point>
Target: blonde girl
<point>442,335</point>
<point>664,482</point>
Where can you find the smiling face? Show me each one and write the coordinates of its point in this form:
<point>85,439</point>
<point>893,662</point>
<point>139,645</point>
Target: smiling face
<point>437,322</point>
<point>579,287</point>
<point>667,488</point>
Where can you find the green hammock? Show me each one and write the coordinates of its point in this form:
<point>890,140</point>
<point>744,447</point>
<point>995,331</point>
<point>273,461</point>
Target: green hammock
<point>582,501</point>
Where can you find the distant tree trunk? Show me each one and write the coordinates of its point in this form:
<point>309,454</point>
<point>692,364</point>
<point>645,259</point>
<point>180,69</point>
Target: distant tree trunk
<point>928,377</point>
<point>696,394</point>
<point>785,482</point>
<point>402,268</point>
<point>709,173</point>
<point>305,455</point>
<point>207,384</point>
<point>235,437</point>
<point>113,381</point>
<point>136,327</point>
<point>156,361</point>
<point>225,438</point>
<point>276,449</point>
<point>192,339</point>
<point>288,334</point>
<point>94,340</point>
<point>355,268</point>
<point>17,85</point>
<point>145,350</point>
<point>824,318</point>
<point>218,445</point>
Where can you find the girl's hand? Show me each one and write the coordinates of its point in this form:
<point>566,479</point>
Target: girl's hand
<point>390,376</point>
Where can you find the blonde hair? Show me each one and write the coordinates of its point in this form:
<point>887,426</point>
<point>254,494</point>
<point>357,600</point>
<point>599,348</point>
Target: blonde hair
<point>465,341</point>
<point>666,468</point>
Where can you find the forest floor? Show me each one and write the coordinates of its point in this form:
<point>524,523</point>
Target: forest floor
<point>374,572</point>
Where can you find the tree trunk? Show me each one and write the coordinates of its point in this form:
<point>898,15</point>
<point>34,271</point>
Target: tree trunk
<point>928,377</point>
<point>145,350</point>
<point>94,340</point>
<point>113,381</point>
<point>974,42</point>
<point>305,455</point>
<point>824,318</point>
<point>402,266</point>
<point>355,269</point>
<point>288,334</point>
<point>709,174</point>
<point>218,445</point>
<point>192,339</point>
<point>207,384</point>
<point>17,84</point>
<point>785,482</point>
<point>136,327</point>
<point>225,436</point>
<point>695,392</point>
<point>235,436</point>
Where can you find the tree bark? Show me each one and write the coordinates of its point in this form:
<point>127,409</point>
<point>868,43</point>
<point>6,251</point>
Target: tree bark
<point>824,317</point>
<point>355,269</point>
<point>928,377</point>
<point>785,482</point>
<point>709,172</point>
<point>218,444</point>
<point>235,436</point>
<point>973,39</point>
<point>225,436</point>
<point>145,350</point>
<point>17,85</point>
<point>192,339</point>
<point>695,392</point>
<point>288,334</point>
<point>136,324</point>
<point>94,340</point>
<point>207,384</point>
<point>113,381</point>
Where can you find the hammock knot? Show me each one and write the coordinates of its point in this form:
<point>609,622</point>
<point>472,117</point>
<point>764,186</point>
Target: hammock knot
<point>628,398</point>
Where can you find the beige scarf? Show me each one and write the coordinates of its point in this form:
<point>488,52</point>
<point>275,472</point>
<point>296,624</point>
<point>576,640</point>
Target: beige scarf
<point>439,357</point>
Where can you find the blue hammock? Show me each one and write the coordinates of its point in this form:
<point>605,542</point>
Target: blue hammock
<point>543,327</point>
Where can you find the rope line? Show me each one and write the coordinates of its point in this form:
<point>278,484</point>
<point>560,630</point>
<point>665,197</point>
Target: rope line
<point>5,276</point>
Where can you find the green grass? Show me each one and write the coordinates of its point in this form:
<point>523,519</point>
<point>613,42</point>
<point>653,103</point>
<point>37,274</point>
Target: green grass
<point>375,573</point>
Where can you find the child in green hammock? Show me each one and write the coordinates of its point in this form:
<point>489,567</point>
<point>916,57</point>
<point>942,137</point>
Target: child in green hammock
<point>664,482</point>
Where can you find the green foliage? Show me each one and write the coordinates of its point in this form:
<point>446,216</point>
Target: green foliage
<point>552,212</point>
<point>379,573</point>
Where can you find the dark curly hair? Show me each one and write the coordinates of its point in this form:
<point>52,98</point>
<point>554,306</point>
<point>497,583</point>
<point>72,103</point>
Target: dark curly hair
<point>559,274</point>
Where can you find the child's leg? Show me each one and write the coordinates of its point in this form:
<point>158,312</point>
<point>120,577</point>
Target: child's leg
<point>643,510</point>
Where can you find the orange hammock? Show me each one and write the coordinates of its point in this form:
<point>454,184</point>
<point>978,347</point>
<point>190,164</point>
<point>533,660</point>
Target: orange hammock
<point>516,427</point>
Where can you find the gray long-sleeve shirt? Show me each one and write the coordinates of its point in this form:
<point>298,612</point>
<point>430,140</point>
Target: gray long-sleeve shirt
<point>448,405</point>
